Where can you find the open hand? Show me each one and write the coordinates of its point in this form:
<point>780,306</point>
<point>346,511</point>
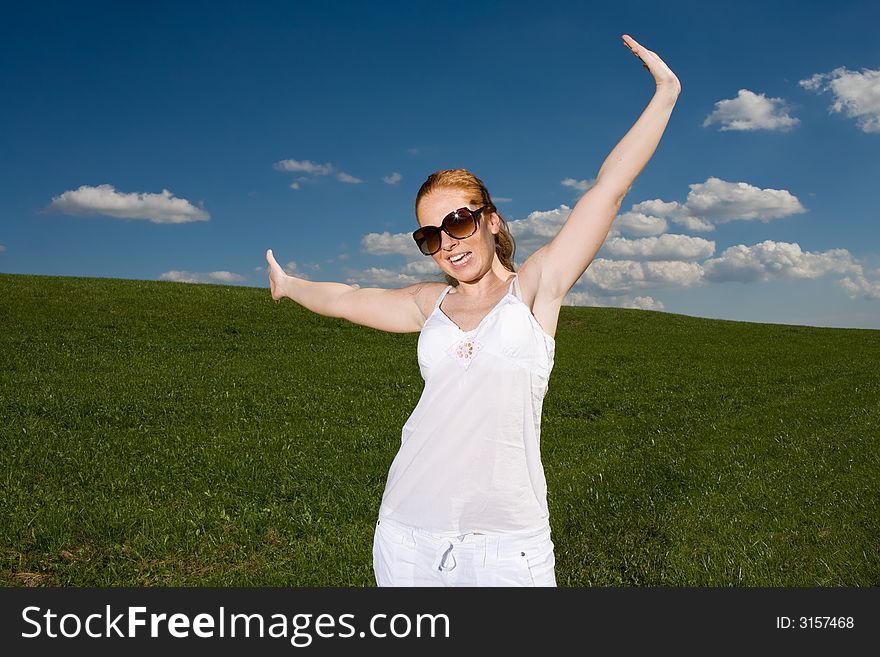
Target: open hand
<point>276,278</point>
<point>663,76</point>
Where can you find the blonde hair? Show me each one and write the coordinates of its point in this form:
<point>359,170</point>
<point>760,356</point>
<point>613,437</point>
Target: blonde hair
<point>466,181</point>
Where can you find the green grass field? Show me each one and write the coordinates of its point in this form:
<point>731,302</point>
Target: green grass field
<point>169,434</point>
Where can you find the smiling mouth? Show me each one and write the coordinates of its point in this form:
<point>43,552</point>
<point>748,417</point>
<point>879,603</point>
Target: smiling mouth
<point>461,259</point>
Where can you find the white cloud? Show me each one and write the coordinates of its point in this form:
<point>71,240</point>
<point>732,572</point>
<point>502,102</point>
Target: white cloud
<point>614,277</point>
<point>582,299</point>
<point>313,171</point>
<point>746,264</point>
<point>857,94</point>
<point>292,269</point>
<point>664,247</point>
<point>378,277</point>
<point>346,178</point>
<point>393,179</point>
<point>306,166</point>
<point>695,224</point>
<point>387,243</point>
<point>710,203</point>
<point>415,271</point>
<point>536,230</point>
<point>859,286</point>
<point>201,277</point>
<point>163,208</point>
<point>637,223</point>
<point>650,218</point>
<point>642,303</point>
<point>719,201</point>
<point>751,111</point>
<point>579,185</point>
<point>226,276</point>
<point>656,207</point>
<point>768,259</point>
<point>622,301</point>
<point>426,266</point>
<point>2,248</point>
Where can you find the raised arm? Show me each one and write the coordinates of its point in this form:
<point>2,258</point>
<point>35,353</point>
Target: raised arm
<point>564,259</point>
<point>396,310</point>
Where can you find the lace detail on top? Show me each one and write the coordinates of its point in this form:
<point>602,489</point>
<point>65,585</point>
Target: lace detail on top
<point>465,350</point>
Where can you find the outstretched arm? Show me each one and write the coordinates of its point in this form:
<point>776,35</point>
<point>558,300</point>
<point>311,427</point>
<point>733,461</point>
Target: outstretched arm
<point>395,310</point>
<point>567,256</point>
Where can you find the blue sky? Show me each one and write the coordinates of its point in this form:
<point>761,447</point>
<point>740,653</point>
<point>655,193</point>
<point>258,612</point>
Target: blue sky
<point>179,141</point>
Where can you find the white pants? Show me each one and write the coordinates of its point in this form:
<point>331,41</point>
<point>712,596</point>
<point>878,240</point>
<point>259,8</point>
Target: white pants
<point>409,556</point>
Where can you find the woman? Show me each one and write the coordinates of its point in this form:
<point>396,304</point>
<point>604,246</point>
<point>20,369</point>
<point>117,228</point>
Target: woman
<point>465,502</point>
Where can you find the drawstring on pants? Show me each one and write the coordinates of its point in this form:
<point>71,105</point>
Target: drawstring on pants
<point>445,559</point>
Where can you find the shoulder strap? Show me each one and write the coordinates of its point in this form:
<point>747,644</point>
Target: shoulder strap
<point>440,298</point>
<point>514,287</point>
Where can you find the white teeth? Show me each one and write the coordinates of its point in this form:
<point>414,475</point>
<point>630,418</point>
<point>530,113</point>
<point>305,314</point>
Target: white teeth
<point>458,258</point>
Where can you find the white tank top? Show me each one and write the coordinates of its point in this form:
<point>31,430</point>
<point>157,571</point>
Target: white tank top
<point>469,459</point>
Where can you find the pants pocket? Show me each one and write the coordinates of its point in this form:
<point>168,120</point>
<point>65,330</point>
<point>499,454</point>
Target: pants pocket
<point>541,563</point>
<point>392,557</point>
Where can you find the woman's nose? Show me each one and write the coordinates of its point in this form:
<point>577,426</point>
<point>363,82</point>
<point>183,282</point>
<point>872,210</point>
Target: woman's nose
<point>446,242</point>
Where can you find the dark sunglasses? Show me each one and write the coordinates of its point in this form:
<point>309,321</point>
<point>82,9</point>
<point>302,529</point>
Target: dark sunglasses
<point>458,224</point>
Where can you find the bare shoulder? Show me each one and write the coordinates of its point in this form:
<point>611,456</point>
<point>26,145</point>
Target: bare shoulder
<point>426,296</point>
<point>536,292</point>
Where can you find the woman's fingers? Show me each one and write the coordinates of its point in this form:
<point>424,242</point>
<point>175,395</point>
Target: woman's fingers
<point>651,61</point>
<point>631,43</point>
<point>273,269</point>
<point>636,48</point>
